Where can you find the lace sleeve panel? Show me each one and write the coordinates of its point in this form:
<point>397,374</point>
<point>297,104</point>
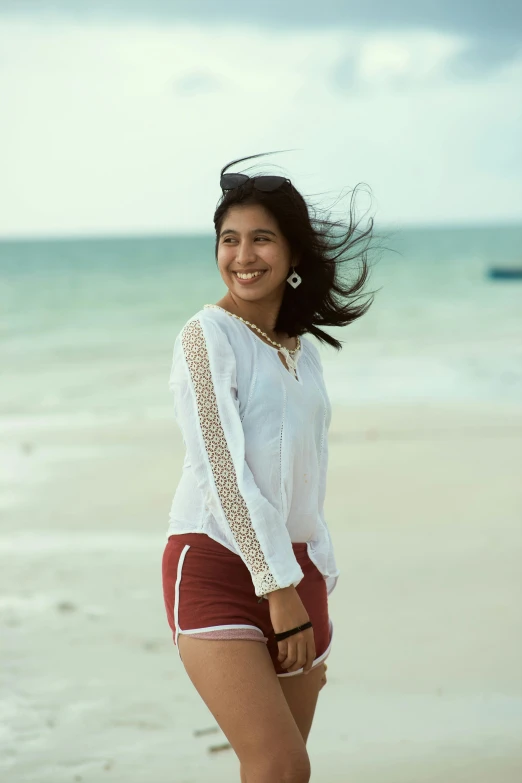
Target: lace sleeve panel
<point>232,502</point>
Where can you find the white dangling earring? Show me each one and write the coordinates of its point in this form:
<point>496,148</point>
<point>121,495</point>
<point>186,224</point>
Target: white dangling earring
<point>294,279</point>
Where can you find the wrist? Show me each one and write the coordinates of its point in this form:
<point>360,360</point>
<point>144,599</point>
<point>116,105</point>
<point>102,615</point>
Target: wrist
<point>281,594</point>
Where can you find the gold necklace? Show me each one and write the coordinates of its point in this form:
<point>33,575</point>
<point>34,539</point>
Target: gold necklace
<point>277,345</point>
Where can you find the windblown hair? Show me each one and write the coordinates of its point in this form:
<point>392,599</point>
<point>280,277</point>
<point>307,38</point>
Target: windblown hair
<point>322,246</point>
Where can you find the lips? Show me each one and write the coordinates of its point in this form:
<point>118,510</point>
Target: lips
<point>250,280</point>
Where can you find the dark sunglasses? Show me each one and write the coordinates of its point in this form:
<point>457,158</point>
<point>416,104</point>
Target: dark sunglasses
<point>266,184</point>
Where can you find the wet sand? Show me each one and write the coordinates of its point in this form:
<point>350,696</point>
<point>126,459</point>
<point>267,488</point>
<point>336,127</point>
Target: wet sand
<point>424,680</point>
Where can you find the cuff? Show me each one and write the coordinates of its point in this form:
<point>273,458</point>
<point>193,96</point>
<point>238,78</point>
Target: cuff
<point>266,583</point>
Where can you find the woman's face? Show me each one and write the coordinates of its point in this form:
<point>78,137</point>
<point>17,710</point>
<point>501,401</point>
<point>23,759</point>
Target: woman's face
<point>250,241</point>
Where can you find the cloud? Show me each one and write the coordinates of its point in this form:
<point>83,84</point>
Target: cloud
<point>196,82</point>
<point>395,62</point>
<point>123,128</point>
<point>483,18</point>
<point>344,73</point>
<point>483,58</point>
<point>493,30</point>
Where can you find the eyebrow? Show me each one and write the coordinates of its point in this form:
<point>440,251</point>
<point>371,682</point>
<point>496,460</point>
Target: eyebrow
<point>254,231</point>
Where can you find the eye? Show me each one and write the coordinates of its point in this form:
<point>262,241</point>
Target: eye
<point>264,239</point>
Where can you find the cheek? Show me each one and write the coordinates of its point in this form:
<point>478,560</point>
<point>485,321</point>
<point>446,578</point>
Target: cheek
<point>223,258</point>
<point>277,260</point>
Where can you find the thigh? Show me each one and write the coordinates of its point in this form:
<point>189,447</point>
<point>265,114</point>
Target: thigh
<point>237,682</point>
<point>301,694</point>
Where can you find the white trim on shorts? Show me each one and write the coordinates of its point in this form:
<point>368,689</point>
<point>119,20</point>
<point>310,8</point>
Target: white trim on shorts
<point>176,590</point>
<point>208,629</point>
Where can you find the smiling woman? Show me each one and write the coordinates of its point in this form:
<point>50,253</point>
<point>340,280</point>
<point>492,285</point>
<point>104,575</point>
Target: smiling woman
<point>263,223</point>
<point>249,562</point>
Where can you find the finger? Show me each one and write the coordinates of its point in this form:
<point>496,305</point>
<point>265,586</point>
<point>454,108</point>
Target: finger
<point>310,654</point>
<point>291,655</point>
<point>283,650</point>
<point>301,656</point>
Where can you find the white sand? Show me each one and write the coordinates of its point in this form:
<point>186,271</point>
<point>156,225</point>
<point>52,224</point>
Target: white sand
<point>425,677</point>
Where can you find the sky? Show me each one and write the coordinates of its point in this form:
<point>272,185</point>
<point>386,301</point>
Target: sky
<point>118,116</point>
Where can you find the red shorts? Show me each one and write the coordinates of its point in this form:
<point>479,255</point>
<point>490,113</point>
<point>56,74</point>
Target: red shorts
<point>209,594</point>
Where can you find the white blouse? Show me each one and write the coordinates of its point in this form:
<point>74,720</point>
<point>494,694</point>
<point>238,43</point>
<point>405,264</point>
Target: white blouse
<point>254,474</point>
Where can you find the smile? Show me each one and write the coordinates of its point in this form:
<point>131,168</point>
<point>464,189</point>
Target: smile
<point>248,277</point>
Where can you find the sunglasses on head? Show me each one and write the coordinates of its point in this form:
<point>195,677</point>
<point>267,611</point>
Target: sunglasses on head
<point>264,183</point>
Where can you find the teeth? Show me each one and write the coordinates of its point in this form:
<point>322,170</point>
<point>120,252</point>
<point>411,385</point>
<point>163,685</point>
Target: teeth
<point>248,276</point>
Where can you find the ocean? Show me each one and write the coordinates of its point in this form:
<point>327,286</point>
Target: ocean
<point>87,325</point>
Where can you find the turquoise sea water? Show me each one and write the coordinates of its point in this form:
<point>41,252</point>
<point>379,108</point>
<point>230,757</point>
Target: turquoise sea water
<point>87,325</point>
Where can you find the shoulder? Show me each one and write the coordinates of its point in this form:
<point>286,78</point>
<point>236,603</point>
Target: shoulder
<point>207,331</point>
<point>212,318</point>
<point>206,321</point>
<point>311,348</point>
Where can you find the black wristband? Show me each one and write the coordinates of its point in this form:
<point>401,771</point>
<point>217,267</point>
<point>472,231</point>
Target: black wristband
<point>280,636</point>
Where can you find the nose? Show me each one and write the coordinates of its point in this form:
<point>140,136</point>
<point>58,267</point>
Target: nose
<point>245,252</point>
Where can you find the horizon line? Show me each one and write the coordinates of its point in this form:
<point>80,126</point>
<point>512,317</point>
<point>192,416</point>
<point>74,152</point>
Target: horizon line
<point>115,235</point>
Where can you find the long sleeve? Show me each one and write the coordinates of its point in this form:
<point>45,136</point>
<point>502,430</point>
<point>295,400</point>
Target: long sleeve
<point>203,381</point>
<point>331,565</point>
<point>325,544</point>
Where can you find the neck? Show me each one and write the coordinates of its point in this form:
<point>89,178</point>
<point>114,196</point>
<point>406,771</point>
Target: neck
<point>263,315</point>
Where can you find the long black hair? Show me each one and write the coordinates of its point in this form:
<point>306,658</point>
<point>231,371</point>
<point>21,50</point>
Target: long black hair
<point>322,246</point>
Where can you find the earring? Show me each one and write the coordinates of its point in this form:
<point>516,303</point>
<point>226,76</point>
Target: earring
<point>294,279</point>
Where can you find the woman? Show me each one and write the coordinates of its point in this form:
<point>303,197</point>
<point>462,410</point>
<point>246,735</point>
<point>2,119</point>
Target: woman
<point>249,562</point>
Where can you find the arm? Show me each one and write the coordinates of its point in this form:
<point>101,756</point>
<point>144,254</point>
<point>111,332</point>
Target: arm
<point>333,571</point>
<point>203,380</point>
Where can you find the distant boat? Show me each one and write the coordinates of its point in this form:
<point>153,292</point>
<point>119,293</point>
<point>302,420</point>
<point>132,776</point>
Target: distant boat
<point>505,273</point>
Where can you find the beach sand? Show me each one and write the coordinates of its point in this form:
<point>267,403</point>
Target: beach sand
<point>425,676</point>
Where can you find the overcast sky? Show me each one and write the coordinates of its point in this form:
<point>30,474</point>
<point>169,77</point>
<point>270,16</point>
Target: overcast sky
<point>117,116</point>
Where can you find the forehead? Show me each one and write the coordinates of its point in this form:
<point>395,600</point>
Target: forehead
<point>239,217</point>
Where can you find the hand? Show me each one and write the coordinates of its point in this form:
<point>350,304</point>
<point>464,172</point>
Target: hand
<point>287,612</point>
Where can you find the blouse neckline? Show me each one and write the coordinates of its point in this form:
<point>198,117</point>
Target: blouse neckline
<point>273,347</point>
<point>298,355</point>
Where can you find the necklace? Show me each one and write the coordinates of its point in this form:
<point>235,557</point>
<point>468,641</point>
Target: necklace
<point>290,355</point>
